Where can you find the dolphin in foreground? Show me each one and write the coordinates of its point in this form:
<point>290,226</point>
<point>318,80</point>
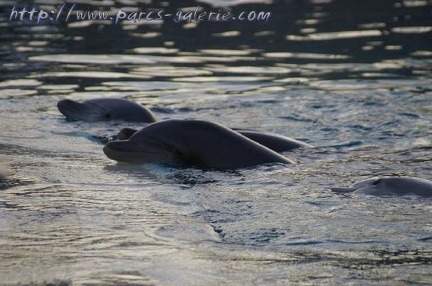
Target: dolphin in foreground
<point>275,142</point>
<point>105,109</point>
<point>390,186</point>
<point>195,143</point>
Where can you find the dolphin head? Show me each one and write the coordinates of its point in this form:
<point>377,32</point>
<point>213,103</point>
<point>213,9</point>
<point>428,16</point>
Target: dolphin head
<point>77,111</point>
<point>149,145</point>
<point>138,152</point>
<point>390,186</point>
<point>105,109</point>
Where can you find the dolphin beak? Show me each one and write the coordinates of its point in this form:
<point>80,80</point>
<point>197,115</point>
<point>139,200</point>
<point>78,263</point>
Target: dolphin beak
<point>343,190</point>
<point>79,111</point>
<point>122,151</point>
<point>133,152</point>
<point>123,146</point>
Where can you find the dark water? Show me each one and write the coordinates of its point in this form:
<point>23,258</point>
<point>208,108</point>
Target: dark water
<point>351,77</point>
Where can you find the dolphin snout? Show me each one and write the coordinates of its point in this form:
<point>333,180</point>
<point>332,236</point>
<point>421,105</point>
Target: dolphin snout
<point>121,151</point>
<point>134,152</point>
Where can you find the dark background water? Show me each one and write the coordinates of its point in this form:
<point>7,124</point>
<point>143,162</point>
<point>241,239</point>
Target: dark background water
<point>351,77</point>
<point>392,30</point>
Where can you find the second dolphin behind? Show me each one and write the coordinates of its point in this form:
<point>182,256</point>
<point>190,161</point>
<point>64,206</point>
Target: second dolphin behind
<point>105,109</point>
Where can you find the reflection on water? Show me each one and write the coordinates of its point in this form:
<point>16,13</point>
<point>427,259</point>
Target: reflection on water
<point>353,79</point>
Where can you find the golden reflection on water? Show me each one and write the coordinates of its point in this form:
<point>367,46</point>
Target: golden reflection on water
<point>336,35</point>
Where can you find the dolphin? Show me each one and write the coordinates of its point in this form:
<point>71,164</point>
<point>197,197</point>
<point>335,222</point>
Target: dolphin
<point>193,143</point>
<point>390,186</point>
<point>105,109</point>
<point>275,142</point>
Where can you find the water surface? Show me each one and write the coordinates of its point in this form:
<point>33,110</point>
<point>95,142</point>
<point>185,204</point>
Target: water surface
<point>353,79</point>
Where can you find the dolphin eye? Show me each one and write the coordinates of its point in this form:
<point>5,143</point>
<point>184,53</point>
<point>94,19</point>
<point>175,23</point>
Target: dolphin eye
<point>376,182</point>
<point>108,116</point>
